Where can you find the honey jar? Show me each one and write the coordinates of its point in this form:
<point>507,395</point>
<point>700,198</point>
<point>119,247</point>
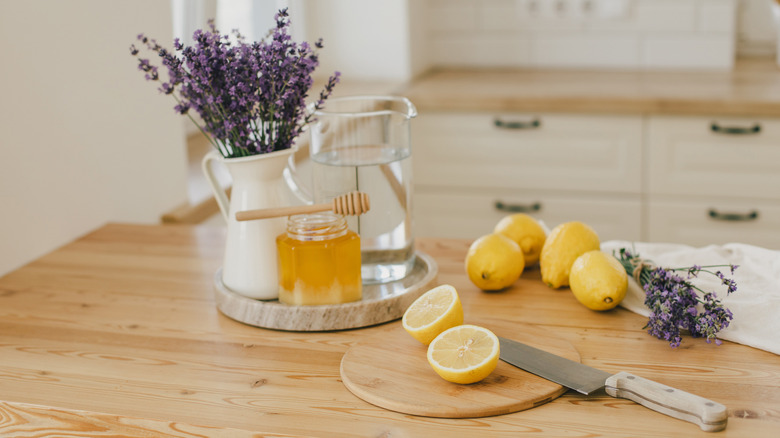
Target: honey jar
<point>319,261</point>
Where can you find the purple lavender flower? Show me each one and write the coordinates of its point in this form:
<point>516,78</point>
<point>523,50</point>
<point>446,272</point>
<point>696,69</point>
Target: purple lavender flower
<point>674,301</point>
<point>251,97</point>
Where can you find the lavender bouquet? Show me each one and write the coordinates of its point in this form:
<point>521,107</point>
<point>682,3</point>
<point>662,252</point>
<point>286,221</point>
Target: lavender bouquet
<point>251,98</point>
<point>674,301</point>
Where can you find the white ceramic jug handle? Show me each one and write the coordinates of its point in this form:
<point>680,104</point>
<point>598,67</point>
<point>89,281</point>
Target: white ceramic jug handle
<point>219,193</point>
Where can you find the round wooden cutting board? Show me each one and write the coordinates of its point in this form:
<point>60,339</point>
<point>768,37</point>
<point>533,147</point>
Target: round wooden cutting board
<point>391,371</point>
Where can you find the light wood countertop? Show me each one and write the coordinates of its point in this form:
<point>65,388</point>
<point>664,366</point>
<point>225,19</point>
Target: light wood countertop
<point>751,89</point>
<point>117,333</point>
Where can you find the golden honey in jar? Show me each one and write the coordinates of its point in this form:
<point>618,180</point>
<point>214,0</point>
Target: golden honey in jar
<point>319,261</point>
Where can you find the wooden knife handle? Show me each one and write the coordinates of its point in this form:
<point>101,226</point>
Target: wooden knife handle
<point>709,415</point>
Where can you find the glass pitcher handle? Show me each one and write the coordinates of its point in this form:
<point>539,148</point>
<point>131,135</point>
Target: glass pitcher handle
<point>219,193</point>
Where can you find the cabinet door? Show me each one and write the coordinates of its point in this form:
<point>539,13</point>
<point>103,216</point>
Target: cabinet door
<point>473,213</point>
<point>709,156</point>
<point>715,221</point>
<point>547,152</point>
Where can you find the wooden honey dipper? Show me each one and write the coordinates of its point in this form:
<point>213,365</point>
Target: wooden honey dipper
<point>349,204</point>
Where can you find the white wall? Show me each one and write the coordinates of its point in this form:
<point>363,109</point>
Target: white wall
<point>419,47</point>
<point>84,139</point>
<point>756,34</point>
<point>391,39</point>
<point>365,39</point>
<point>622,34</point>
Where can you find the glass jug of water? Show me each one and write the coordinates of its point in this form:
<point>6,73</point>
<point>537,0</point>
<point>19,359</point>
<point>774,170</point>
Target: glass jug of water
<point>363,143</point>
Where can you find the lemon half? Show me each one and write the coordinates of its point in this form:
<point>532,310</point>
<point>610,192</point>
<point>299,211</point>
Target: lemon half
<point>464,354</point>
<point>432,313</point>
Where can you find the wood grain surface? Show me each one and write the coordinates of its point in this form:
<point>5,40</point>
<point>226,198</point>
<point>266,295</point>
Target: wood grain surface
<point>751,89</point>
<point>392,371</point>
<point>117,333</point>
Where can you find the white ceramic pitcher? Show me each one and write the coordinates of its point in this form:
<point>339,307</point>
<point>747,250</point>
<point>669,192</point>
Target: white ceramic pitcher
<point>250,263</point>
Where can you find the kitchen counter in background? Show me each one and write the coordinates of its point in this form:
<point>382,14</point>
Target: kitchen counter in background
<point>118,333</point>
<point>752,88</point>
<point>676,157</point>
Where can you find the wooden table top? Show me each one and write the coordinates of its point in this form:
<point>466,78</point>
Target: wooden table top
<point>751,89</point>
<point>117,333</point>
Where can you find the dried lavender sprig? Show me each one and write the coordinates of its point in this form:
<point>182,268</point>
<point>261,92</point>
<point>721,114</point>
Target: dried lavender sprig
<point>250,97</point>
<point>673,301</point>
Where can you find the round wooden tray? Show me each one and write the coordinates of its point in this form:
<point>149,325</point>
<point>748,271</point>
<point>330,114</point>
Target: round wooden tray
<point>380,303</point>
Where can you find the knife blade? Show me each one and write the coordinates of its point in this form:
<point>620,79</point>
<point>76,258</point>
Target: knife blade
<point>709,415</point>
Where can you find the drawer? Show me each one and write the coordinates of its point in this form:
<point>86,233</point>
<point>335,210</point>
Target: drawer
<point>718,221</point>
<point>548,152</point>
<point>711,156</point>
<point>473,213</point>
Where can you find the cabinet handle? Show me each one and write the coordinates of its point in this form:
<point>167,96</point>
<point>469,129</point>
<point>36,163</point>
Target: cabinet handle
<point>518,208</point>
<point>735,130</point>
<point>733,217</point>
<point>533,124</point>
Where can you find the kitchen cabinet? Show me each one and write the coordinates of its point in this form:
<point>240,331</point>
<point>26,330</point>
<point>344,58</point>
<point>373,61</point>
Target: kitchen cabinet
<point>686,157</point>
<point>471,169</point>
<point>713,180</point>
<point>526,150</point>
<point>684,179</point>
<point>469,213</point>
<point>701,156</point>
<point>702,221</point>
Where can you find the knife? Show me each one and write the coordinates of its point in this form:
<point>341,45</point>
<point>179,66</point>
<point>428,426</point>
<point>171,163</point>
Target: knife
<point>709,415</point>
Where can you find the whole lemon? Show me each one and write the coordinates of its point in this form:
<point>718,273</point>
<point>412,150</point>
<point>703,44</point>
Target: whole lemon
<point>598,280</point>
<point>526,232</point>
<point>563,245</point>
<point>494,262</point>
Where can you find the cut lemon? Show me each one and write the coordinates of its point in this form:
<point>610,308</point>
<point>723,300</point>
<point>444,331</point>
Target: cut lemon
<point>432,313</point>
<point>464,354</point>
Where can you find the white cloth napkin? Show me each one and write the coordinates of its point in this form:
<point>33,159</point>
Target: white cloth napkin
<point>756,303</point>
